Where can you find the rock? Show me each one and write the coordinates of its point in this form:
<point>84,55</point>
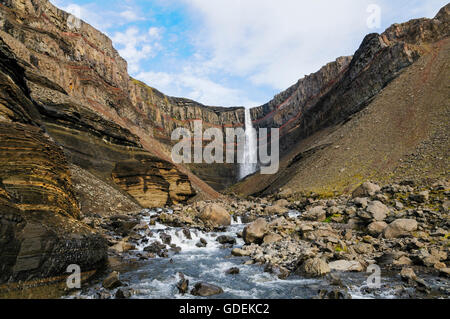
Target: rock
<point>216,215</point>
<point>333,294</point>
<point>422,197</point>
<point>361,202</point>
<point>255,232</point>
<point>366,190</point>
<point>444,272</point>
<point>398,205</point>
<point>281,203</point>
<point>377,210</point>
<point>183,286</point>
<point>205,290</point>
<point>400,228</point>
<point>403,261</point>
<point>317,213</point>
<point>346,265</point>
<point>112,281</point>
<point>166,239</point>
<point>376,228</point>
<point>226,240</point>
<point>155,247</point>
<point>408,274</point>
<point>315,267</point>
<point>122,294</point>
<point>233,271</point>
<point>275,210</point>
<point>187,233</point>
<point>271,238</point>
<point>240,252</point>
<point>122,247</point>
<point>201,243</point>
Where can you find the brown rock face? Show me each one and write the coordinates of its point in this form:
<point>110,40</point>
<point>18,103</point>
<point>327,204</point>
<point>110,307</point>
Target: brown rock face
<point>152,182</point>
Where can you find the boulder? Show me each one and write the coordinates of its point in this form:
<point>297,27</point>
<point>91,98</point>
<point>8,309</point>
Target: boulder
<point>275,210</point>
<point>366,190</point>
<point>183,286</point>
<point>422,197</point>
<point>255,232</point>
<point>215,215</point>
<point>315,267</point>
<point>346,265</point>
<point>376,228</point>
<point>281,203</point>
<point>122,246</point>
<point>400,228</point>
<point>205,290</point>
<point>233,271</point>
<point>377,210</point>
<point>408,274</point>
<point>317,213</point>
<point>226,240</point>
<point>112,281</point>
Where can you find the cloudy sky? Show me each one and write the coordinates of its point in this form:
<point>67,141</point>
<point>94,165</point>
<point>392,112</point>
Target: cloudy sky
<point>238,52</point>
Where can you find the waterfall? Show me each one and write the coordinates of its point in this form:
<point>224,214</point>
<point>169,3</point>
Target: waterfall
<point>250,161</point>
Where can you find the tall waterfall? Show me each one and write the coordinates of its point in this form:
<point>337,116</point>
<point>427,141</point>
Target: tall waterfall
<point>249,165</point>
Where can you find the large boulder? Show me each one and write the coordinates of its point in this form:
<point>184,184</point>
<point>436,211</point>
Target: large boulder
<point>366,190</point>
<point>215,215</point>
<point>255,232</point>
<point>400,228</point>
<point>315,267</point>
<point>205,290</point>
<point>275,210</point>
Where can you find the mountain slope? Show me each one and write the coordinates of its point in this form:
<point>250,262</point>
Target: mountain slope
<point>388,122</point>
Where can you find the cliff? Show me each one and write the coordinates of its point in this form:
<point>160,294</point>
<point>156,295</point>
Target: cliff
<point>352,127</point>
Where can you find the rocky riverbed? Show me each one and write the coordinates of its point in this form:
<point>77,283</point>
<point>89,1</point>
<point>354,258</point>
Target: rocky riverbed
<point>284,246</point>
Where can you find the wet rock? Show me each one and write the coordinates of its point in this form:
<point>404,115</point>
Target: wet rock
<point>226,240</point>
<point>400,228</point>
<point>317,213</point>
<point>255,232</point>
<point>366,190</point>
<point>166,239</point>
<point>183,285</point>
<point>155,247</point>
<point>408,274</point>
<point>240,252</point>
<point>215,215</point>
<point>233,271</point>
<point>112,281</point>
<point>334,293</point>
<point>205,290</point>
<point>315,267</point>
<point>123,294</point>
<point>201,243</point>
<point>346,265</point>
<point>187,233</point>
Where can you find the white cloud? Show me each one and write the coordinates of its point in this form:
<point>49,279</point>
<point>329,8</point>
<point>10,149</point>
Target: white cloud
<point>136,46</point>
<point>186,84</point>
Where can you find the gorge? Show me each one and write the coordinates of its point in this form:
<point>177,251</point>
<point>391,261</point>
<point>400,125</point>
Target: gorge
<point>86,175</point>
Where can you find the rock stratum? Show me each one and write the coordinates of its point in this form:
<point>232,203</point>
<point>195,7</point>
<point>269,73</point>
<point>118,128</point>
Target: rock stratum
<point>81,138</point>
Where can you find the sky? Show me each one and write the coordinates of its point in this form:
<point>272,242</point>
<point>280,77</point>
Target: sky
<point>238,52</point>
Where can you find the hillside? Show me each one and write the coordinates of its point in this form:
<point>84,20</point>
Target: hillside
<point>392,125</point>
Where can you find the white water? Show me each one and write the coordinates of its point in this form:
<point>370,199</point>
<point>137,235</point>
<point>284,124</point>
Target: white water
<point>250,160</point>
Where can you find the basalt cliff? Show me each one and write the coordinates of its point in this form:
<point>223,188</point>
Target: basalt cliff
<point>79,137</point>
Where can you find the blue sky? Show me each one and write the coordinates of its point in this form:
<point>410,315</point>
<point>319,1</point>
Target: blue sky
<point>237,52</point>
